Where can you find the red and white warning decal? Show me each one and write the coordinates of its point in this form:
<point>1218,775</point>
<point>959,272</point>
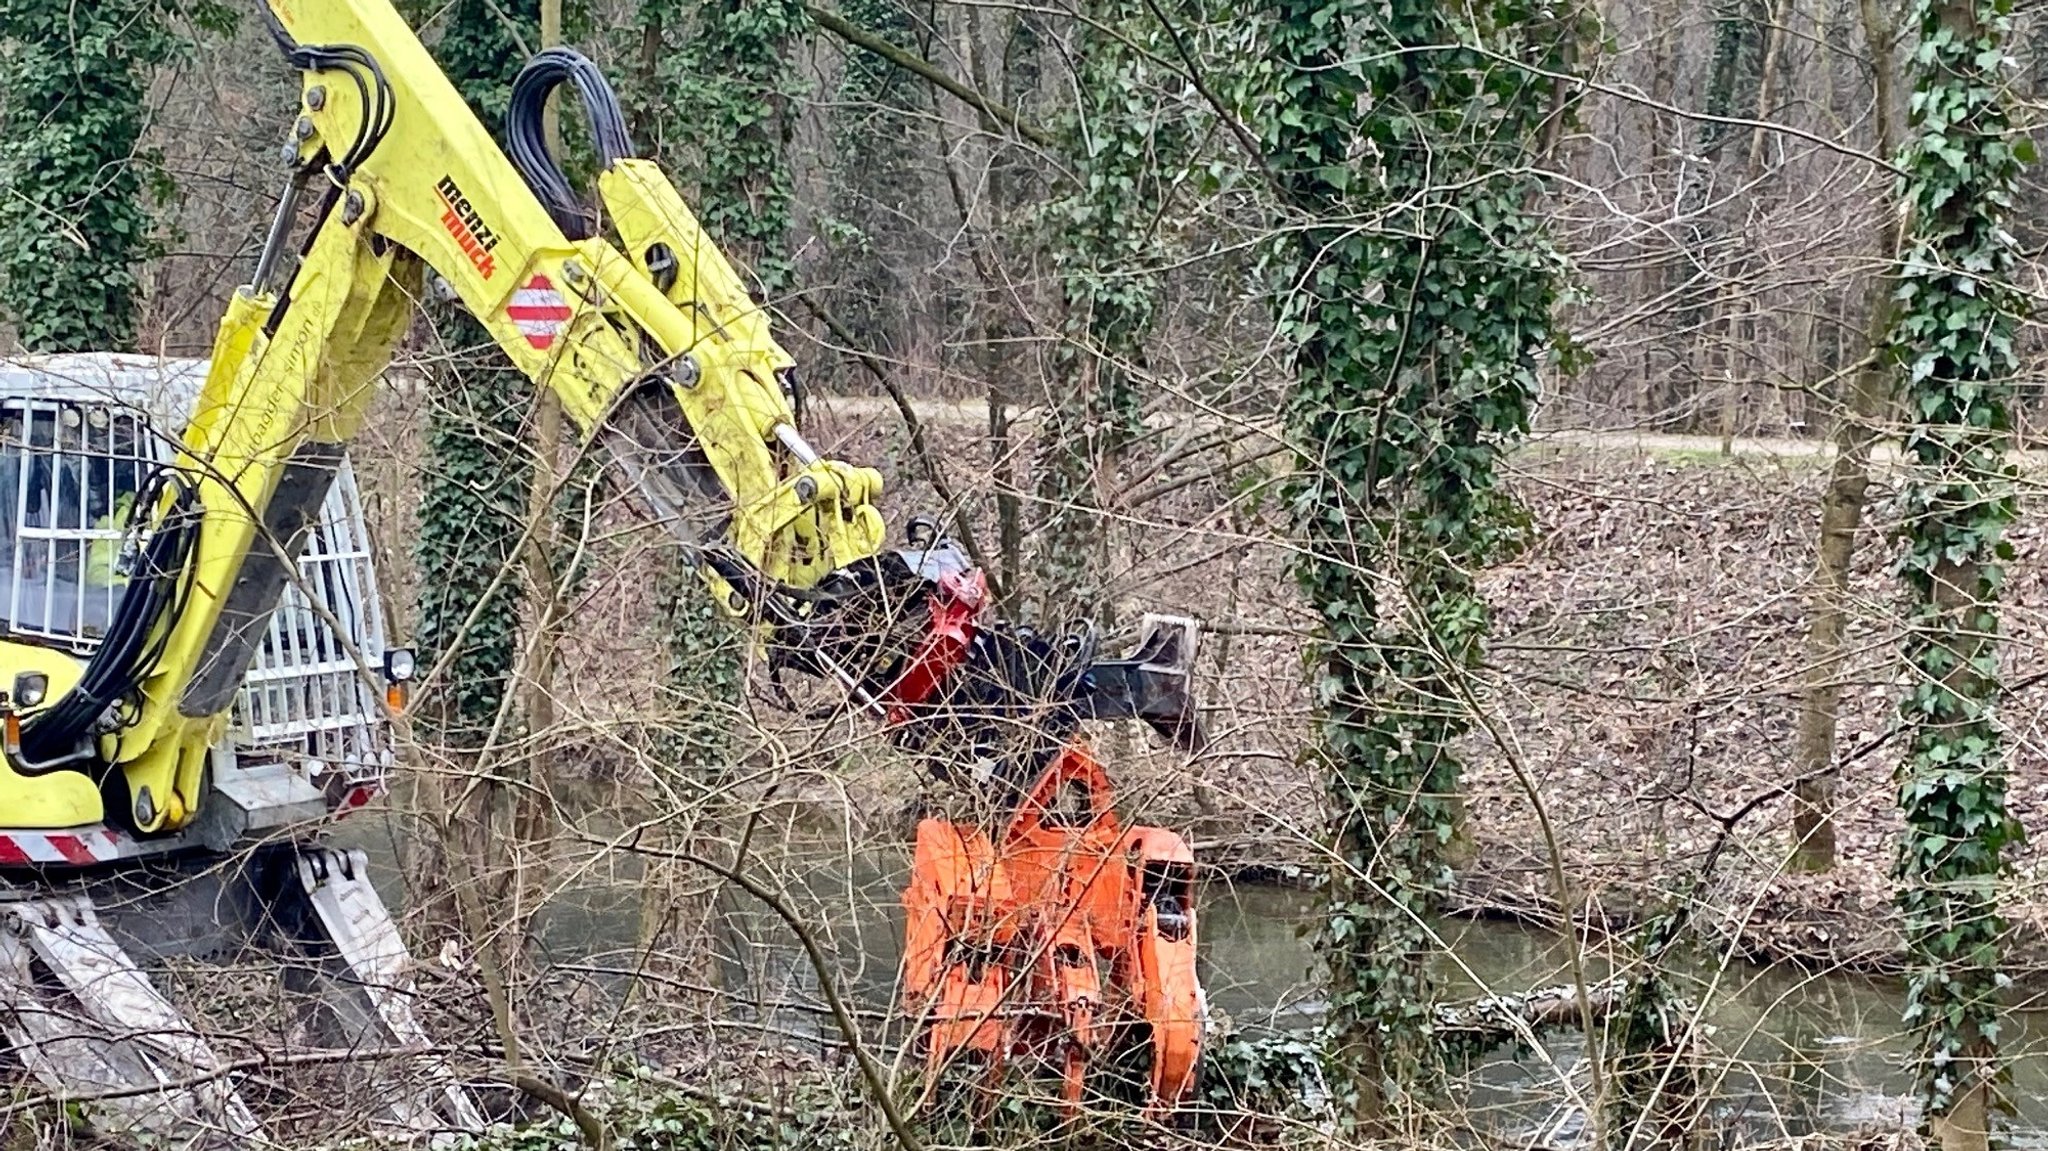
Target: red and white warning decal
<point>83,846</point>
<point>356,797</point>
<point>540,312</point>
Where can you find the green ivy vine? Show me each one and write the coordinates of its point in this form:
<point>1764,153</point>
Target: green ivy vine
<point>1958,317</point>
<point>1417,337</point>
<point>720,96</point>
<point>641,1113</point>
<point>1125,142</point>
<point>1735,72</point>
<point>475,488</point>
<point>703,678</point>
<point>724,89</point>
<point>472,515</point>
<point>1107,223</point>
<point>874,170</point>
<point>78,225</point>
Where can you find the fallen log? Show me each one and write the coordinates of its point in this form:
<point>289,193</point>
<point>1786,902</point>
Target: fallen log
<point>1498,1020</point>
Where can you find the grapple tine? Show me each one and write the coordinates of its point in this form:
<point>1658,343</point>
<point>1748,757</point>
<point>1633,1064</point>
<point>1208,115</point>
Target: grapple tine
<point>1165,659</point>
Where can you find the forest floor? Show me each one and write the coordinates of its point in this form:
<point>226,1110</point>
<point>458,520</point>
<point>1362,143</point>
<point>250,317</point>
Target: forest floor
<point>1643,685</point>
<point>1645,681</point>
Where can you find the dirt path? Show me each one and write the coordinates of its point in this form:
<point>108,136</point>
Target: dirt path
<point>961,412</point>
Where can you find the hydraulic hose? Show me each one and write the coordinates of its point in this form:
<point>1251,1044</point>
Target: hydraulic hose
<point>158,590</point>
<point>526,140</point>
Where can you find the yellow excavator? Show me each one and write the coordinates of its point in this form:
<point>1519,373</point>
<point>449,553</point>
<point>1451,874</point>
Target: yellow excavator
<point>194,676</point>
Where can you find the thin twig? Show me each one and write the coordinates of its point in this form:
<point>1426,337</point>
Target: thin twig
<point>828,984</point>
<point>911,62</point>
<point>1814,138</point>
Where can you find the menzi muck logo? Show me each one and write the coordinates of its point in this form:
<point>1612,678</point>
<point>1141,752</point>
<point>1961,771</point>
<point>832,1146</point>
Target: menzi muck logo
<point>461,219</point>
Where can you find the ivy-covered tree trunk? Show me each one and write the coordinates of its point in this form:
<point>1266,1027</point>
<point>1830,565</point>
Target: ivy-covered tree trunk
<point>475,485</point>
<point>716,91</point>
<point>1103,245</point>
<point>478,470</point>
<point>720,98</point>
<point>723,91</point>
<point>473,512</point>
<point>1958,316</point>
<point>1416,364</point>
<point>76,227</point>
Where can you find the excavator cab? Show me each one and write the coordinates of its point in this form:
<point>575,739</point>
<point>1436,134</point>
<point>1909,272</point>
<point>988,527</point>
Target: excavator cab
<point>69,471</point>
<point>81,438</point>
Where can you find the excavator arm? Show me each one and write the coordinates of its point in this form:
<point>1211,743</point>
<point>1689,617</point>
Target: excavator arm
<point>624,310</point>
<point>652,343</point>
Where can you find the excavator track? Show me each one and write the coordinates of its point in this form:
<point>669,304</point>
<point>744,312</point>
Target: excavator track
<point>81,1014</point>
<point>89,1025</point>
<point>337,887</point>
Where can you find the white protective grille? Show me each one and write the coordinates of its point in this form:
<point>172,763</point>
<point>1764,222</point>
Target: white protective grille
<point>306,696</point>
<point>75,446</point>
<point>69,471</point>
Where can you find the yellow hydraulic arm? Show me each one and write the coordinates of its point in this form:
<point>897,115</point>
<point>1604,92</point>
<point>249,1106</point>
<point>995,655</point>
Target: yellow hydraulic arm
<point>640,327</point>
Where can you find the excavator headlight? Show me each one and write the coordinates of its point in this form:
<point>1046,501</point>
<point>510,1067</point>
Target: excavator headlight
<point>30,689</point>
<point>399,668</point>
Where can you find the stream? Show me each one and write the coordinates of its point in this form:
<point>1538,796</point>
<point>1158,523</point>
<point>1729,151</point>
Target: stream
<point>1792,1052</point>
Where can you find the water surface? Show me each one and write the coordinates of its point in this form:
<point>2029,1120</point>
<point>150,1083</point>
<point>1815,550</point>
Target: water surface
<point>1792,1052</point>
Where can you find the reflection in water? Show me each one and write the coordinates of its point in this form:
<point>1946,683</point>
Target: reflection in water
<point>1793,1052</point>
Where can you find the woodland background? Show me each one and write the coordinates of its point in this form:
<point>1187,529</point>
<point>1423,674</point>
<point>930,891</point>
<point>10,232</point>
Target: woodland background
<point>1043,265</point>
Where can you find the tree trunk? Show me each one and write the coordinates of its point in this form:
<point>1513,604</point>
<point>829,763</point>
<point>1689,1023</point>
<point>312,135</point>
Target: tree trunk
<point>1732,314</point>
<point>1002,456</point>
<point>1813,827</point>
<point>1966,1125</point>
<point>1958,337</point>
<point>551,112</point>
<point>529,832</point>
<point>1661,391</point>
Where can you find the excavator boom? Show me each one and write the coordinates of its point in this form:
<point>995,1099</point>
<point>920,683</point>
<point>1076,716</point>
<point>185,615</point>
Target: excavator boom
<point>655,342</point>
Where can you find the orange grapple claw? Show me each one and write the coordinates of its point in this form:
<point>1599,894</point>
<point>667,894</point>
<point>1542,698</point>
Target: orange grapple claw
<point>1060,941</point>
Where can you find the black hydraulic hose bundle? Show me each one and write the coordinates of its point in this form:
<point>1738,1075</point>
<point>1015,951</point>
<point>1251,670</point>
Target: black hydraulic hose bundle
<point>526,140</point>
<point>158,589</point>
<point>362,70</point>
